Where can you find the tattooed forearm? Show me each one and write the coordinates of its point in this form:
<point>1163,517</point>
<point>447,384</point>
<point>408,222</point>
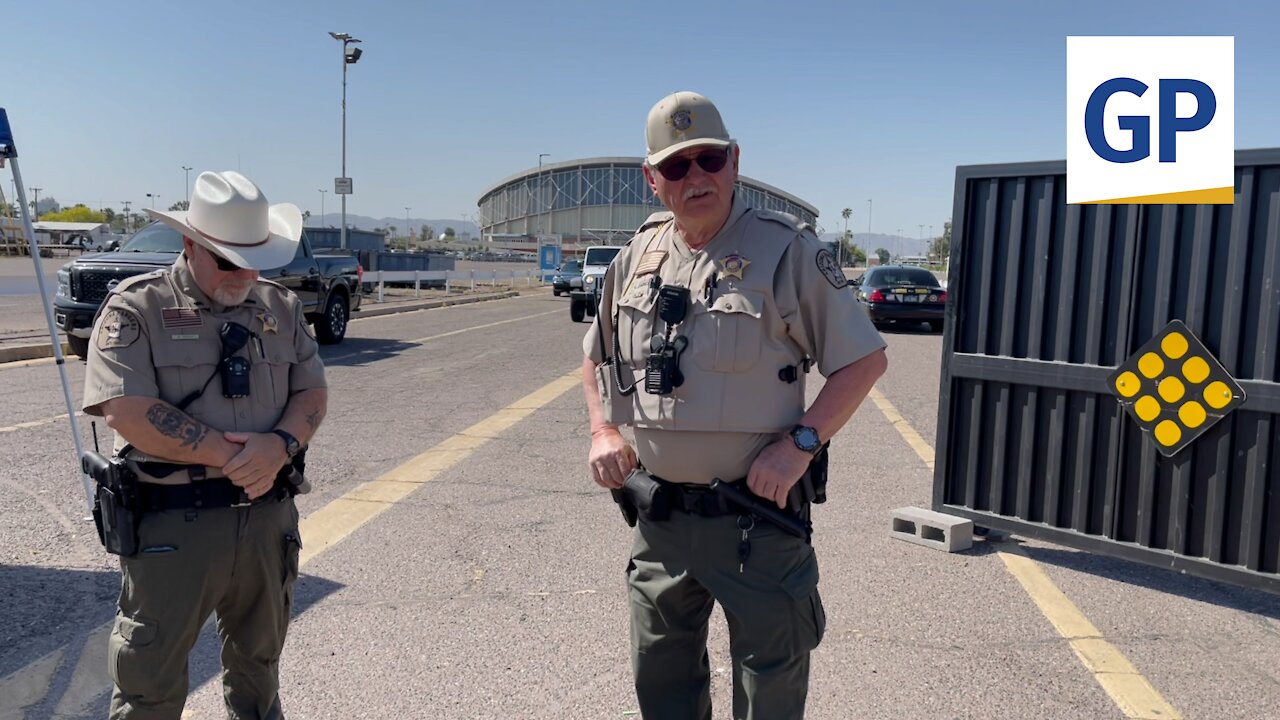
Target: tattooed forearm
<point>314,418</point>
<point>174,423</point>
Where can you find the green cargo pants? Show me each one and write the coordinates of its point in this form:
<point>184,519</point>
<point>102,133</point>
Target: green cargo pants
<point>240,563</point>
<point>775,617</point>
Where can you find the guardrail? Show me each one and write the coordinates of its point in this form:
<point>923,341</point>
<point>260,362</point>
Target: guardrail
<point>450,277</point>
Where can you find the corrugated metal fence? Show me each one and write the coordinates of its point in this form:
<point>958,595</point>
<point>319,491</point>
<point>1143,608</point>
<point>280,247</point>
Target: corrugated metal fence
<point>1046,301</point>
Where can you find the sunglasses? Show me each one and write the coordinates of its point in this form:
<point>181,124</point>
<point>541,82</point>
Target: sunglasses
<point>712,161</point>
<point>224,264</point>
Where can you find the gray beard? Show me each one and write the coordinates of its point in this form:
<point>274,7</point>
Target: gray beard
<point>228,299</point>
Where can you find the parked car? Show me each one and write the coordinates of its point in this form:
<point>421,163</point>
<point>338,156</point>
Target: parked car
<point>583,303</point>
<point>327,285</point>
<point>568,278</point>
<point>901,293</point>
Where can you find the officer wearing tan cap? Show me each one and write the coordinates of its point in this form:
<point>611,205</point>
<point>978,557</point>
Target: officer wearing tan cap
<point>211,379</point>
<point>709,318</point>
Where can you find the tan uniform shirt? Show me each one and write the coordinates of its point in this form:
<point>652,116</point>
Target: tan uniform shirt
<point>765,294</point>
<point>157,335</point>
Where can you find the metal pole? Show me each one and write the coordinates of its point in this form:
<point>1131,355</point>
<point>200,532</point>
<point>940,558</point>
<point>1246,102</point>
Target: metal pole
<point>187,188</point>
<point>342,235</point>
<point>48,318</point>
<point>322,192</point>
<point>407,234</point>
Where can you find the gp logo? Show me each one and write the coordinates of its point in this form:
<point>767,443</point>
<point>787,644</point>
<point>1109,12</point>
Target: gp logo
<point>1151,120</point>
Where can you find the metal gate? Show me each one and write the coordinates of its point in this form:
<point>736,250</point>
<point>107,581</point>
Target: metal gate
<point>1074,409</point>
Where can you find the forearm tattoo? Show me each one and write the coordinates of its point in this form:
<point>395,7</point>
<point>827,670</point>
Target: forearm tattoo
<point>172,422</point>
<point>314,418</point>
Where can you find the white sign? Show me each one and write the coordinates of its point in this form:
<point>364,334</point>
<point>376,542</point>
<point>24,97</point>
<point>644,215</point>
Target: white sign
<point>1151,120</point>
<point>342,186</point>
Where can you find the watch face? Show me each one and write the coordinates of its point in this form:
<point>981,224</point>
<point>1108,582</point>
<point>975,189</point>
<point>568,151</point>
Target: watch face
<point>806,438</point>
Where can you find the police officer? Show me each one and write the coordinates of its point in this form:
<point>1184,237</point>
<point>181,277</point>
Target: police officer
<point>211,379</point>
<point>709,318</point>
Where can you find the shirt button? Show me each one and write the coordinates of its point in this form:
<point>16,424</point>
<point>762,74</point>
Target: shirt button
<point>187,359</point>
<point>241,414</point>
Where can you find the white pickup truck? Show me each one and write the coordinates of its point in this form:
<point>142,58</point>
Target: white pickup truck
<point>583,303</point>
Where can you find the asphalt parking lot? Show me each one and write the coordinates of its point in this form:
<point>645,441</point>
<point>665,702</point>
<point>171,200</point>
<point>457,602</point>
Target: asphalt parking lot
<point>459,563</point>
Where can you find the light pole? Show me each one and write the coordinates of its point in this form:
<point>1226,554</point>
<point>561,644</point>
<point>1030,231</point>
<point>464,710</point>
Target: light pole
<point>187,188</point>
<point>35,206</point>
<point>349,57</point>
<point>153,197</point>
<point>322,192</point>
<point>540,156</point>
<point>407,231</point>
<point>126,204</point>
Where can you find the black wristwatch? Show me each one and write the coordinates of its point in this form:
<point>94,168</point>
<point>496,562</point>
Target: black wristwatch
<point>806,438</point>
<point>291,444</point>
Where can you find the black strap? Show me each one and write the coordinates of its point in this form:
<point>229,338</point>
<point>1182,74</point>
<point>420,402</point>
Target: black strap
<point>205,495</point>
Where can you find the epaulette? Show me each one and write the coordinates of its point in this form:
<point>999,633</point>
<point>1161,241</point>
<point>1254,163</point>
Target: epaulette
<point>655,219</point>
<point>791,222</point>
<point>135,279</point>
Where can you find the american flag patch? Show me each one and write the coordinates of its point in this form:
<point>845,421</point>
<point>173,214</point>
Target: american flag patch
<point>650,262</point>
<point>180,318</point>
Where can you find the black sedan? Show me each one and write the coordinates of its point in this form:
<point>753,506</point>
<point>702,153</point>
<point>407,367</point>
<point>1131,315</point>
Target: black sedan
<point>902,293</point>
<point>568,277</point>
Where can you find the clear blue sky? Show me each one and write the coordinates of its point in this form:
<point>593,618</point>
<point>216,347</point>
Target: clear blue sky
<point>834,102</point>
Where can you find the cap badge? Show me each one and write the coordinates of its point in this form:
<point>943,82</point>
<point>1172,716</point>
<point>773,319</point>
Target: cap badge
<point>733,265</point>
<point>681,120</point>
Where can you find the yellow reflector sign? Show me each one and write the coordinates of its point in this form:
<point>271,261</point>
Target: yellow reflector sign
<point>1175,388</point>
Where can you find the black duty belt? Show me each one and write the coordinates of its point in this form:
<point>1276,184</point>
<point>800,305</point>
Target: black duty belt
<point>697,499</point>
<point>203,495</point>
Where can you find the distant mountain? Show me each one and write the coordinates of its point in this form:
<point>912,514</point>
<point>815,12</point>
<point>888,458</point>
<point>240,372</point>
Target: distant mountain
<point>897,246</point>
<point>364,222</point>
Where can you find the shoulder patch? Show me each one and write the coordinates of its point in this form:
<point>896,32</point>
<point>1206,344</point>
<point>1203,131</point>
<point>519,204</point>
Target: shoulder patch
<point>831,270</point>
<point>118,328</point>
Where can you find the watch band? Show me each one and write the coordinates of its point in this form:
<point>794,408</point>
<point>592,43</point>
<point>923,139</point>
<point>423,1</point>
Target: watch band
<point>291,444</point>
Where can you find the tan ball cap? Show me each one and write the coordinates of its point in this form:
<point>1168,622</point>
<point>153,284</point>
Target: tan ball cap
<point>683,120</point>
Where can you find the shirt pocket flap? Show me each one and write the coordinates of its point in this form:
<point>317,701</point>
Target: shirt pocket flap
<point>748,302</point>
<point>183,354</point>
<point>643,302</point>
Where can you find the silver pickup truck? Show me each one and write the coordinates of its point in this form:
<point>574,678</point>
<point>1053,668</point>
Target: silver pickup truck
<point>583,303</point>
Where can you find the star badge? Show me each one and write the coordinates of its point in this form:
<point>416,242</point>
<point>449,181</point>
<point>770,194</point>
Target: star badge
<point>268,321</point>
<point>733,266</point>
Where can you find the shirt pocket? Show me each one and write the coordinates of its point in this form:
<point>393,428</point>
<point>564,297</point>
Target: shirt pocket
<point>277,358</point>
<point>635,326</point>
<point>726,338</point>
<point>183,368</point>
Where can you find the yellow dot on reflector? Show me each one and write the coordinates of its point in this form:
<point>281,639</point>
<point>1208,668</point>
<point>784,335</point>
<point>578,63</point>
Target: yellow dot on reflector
<point>1147,408</point>
<point>1195,369</point>
<point>1151,365</point>
<point>1192,414</point>
<point>1168,433</point>
<point>1172,389</point>
<point>1127,384</point>
<point>1174,345</point>
<point>1217,395</point>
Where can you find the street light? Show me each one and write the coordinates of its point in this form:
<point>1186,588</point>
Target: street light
<point>126,204</point>
<point>540,156</point>
<point>407,231</point>
<point>349,57</point>
<point>153,197</point>
<point>322,192</point>
<point>187,188</point>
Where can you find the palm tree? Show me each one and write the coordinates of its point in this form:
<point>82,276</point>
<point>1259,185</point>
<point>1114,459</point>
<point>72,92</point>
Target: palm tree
<point>846,214</point>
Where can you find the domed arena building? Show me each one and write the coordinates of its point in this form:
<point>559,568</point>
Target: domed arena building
<point>594,201</point>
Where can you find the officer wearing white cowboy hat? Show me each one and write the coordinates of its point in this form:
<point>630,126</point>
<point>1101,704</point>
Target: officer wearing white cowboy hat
<point>211,440</point>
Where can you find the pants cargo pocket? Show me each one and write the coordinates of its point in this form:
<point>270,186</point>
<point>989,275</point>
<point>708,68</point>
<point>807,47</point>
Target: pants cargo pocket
<point>129,662</point>
<point>811,617</point>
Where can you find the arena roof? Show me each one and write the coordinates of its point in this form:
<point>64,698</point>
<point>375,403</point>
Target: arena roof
<point>634,162</point>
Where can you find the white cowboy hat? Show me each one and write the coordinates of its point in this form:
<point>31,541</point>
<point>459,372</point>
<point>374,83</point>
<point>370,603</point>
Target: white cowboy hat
<point>230,216</point>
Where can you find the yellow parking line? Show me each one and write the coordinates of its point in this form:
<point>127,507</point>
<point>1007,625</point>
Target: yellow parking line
<point>37,423</point>
<point>1128,689</point>
<point>329,525</point>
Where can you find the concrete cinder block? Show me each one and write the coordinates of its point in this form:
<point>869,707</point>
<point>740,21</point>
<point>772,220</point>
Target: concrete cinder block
<point>932,529</point>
